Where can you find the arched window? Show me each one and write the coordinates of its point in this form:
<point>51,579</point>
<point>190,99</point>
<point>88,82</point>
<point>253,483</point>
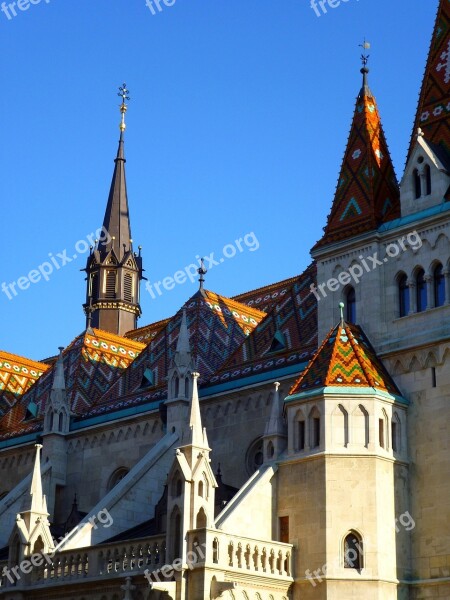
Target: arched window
<point>428,179</point>
<point>314,428</point>
<point>38,546</point>
<point>200,488</point>
<point>176,532</point>
<point>60,421</point>
<point>396,433</point>
<point>177,485</point>
<point>421,291</point>
<point>255,456</point>
<point>416,182</point>
<point>110,285</point>
<point>201,519</point>
<point>383,422</point>
<point>94,286</point>
<point>52,419</point>
<point>351,305</point>
<point>186,387</point>
<point>403,296</point>
<point>301,434</point>
<point>177,387</point>
<point>116,477</point>
<point>215,551</point>
<point>353,551</point>
<point>439,286</point>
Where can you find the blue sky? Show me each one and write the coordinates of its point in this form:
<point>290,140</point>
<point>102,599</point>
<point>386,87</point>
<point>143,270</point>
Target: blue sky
<point>238,122</point>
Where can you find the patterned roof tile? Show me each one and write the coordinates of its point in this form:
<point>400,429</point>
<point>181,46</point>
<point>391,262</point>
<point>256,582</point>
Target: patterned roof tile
<point>367,193</point>
<point>434,100</point>
<point>345,359</point>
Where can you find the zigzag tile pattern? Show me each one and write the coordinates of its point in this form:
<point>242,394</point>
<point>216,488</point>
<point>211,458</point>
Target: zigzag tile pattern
<point>92,362</point>
<point>217,327</point>
<point>434,100</point>
<point>367,193</point>
<point>17,375</point>
<point>345,359</point>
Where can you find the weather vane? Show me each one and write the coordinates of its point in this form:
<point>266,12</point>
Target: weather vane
<point>123,93</point>
<point>202,272</point>
<point>365,57</point>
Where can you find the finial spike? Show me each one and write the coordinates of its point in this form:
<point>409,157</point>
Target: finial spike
<point>202,272</point>
<point>341,306</point>
<point>123,93</point>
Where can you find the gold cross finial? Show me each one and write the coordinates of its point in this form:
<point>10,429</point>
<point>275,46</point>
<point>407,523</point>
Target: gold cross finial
<point>123,93</point>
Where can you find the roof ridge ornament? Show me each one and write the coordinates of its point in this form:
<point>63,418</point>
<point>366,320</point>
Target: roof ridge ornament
<point>123,93</point>
<point>202,272</point>
<point>341,306</point>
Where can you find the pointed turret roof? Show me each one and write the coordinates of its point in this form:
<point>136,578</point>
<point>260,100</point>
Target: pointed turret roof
<point>274,425</point>
<point>117,216</point>
<point>195,420</point>
<point>367,193</point>
<point>434,100</point>
<point>183,356</point>
<point>345,359</point>
<point>38,500</point>
<point>59,382</point>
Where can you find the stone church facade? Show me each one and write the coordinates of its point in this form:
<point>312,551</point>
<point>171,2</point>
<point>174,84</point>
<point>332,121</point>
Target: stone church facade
<point>288,443</point>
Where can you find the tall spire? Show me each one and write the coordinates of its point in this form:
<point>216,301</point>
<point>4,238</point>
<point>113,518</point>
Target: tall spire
<point>38,503</point>
<point>117,216</point>
<point>58,378</point>
<point>113,270</point>
<point>274,425</point>
<point>195,419</point>
<point>183,356</point>
<point>434,99</point>
<point>367,193</point>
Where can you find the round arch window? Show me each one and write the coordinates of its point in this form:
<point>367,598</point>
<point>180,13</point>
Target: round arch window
<point>116,477</point>
<point>255,456</point>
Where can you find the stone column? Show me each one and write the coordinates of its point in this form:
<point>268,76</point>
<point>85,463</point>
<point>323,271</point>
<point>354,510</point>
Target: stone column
<point>412,297</point>
<point>430,290</point>
<point>446,273</point>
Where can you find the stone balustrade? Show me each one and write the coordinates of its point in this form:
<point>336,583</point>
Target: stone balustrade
<point>241,554</point>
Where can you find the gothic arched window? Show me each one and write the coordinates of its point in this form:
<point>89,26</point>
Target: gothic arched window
<point>403,296</point>
<point>353,551</point>
<point>416,182</point>
<point>439,286</point>
<point>351,305</point>
<point>421,291</point>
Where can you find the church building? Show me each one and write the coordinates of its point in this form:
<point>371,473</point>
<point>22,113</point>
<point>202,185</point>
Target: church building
<point>291,442</point>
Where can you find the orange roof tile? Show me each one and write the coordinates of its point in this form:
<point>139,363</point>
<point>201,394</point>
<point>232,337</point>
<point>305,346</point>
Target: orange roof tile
<point>345,359</point>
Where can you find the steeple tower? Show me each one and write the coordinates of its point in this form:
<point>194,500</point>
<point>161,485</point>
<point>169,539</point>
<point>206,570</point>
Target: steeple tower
<point>432,111</point>
<point>367,193</point>
<point>113,269</point>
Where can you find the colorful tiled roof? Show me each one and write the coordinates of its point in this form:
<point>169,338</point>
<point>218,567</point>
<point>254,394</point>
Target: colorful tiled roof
<point>17,375</point>
<point>92,363</point>
<point>292,322</point>
<point>367,193</point>
<point>345,359</point>
<point>434,100</point>
<point>148,332</point>
<point>265,298</point>
<point>217,327</point>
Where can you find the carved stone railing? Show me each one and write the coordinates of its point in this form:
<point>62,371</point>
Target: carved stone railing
<point>241,554</point>
<point>108,560</point>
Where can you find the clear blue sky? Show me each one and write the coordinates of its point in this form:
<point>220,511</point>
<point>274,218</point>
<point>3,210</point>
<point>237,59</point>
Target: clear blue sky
<point>238,122</point>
